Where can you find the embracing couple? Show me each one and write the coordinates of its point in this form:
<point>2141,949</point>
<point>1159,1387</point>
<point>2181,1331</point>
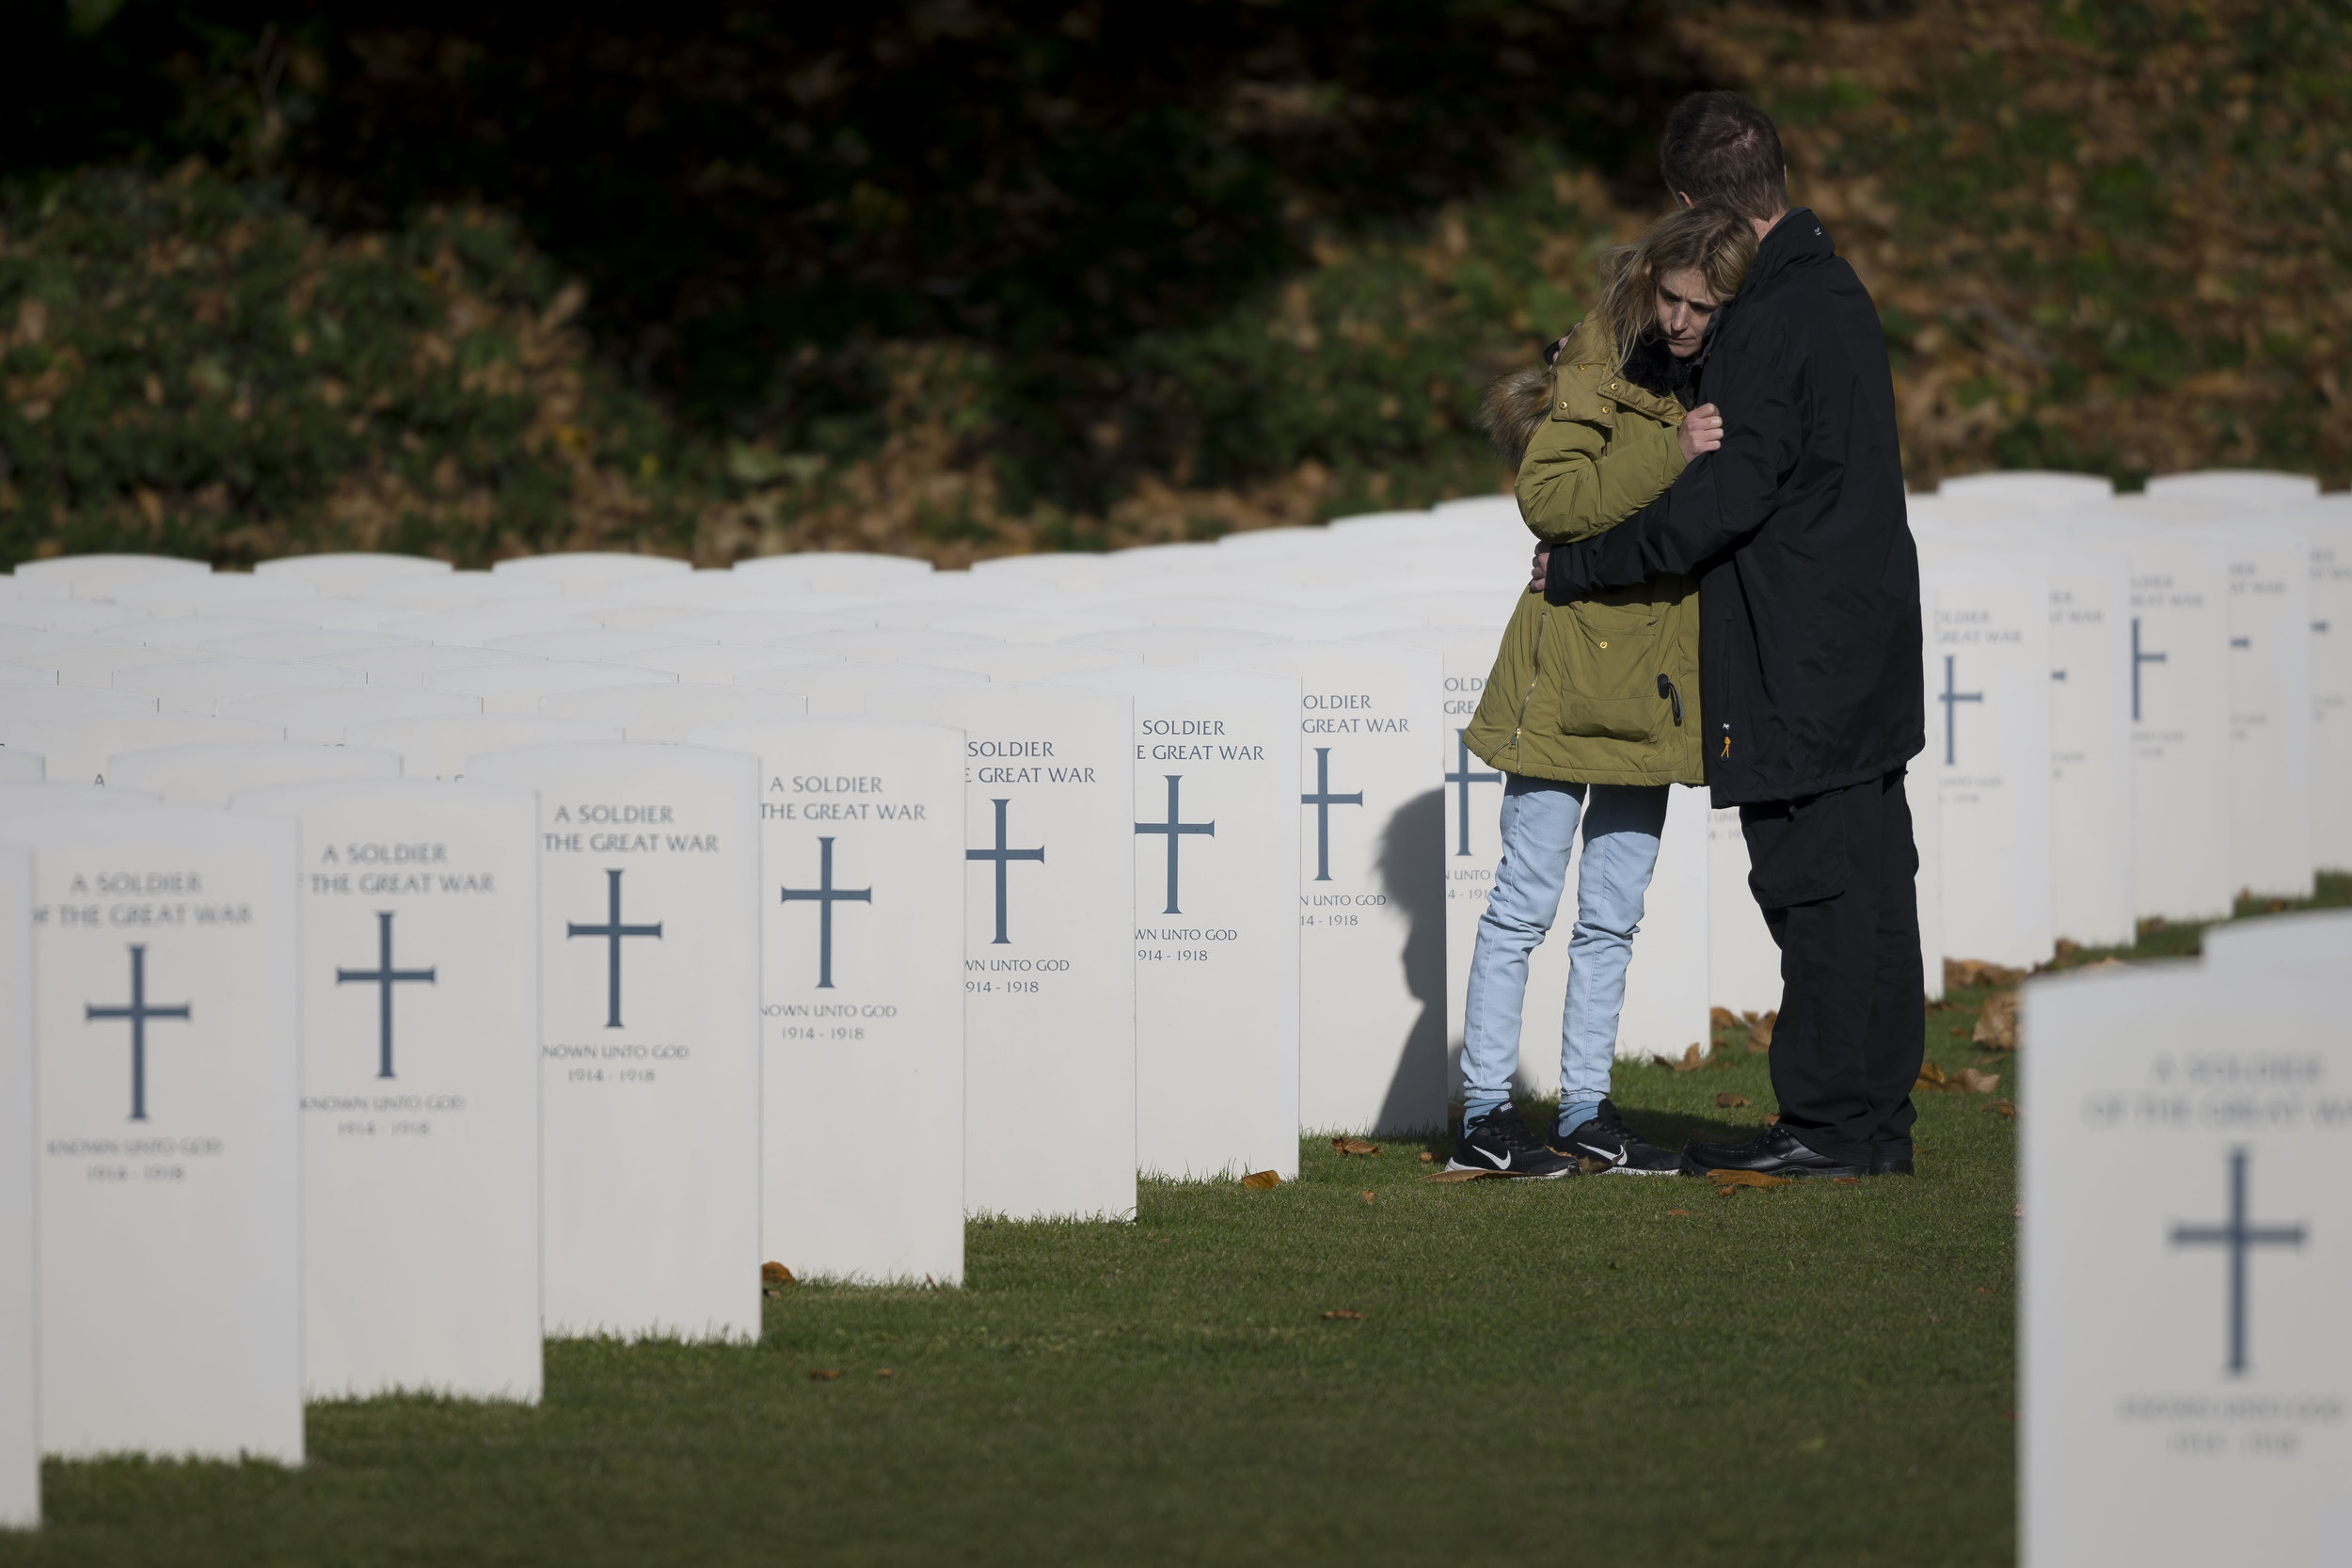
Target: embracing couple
<point>1726,593</point>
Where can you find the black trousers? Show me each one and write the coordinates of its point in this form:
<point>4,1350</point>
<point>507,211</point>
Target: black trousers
<point>1836,874</point>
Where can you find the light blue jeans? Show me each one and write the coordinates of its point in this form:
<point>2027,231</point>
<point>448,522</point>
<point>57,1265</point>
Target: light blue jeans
<point>1539,825</point>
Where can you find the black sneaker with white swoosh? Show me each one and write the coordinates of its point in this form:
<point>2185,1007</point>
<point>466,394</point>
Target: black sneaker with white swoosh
<point>1498,1144</point>
<point>1605,1145</point>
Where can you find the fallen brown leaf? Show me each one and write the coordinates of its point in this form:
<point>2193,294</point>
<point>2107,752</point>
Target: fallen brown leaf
<point>1760,1032</point>
<point>2106,963</point>
<point>1684,1212</point>
<point>1727,1190</point>
<point>2017,1210</point>
<point>1722,1018</point>
<point>1773,1120</point>
<point>775,1273</point>
<point>1930,1075</point>
<point>1969,1081</point>
<point>1996,1024</point>
<point>2002,1108</point>
<point>1982,1290</point>
<point>1343,1315</point>
<point>1355,1146</point>
<point>1731,1102</point>
<point>1368,1197</point>
<point>1259,1180</point>
<point>1690,1061</point>
<point>2068,948</point>
<point>885,1371</point>
<point>1449,1177</point>
<point>823,1374</point>
<point>1959,974</point>
<point>1745,1178</point>
<point>1427,1158</point>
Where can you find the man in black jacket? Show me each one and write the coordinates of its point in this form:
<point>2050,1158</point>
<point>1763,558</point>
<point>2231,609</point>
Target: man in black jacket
<point>1809,652</point>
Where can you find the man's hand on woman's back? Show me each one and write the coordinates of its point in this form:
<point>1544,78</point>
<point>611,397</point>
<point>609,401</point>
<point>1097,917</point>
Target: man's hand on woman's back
<point>1701,430</point>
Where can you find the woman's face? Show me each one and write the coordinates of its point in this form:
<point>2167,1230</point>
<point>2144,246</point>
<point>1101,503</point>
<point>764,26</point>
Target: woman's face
<point>1685,306</point>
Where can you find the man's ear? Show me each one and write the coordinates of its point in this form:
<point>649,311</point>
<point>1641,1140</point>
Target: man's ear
<point>1684,196</point>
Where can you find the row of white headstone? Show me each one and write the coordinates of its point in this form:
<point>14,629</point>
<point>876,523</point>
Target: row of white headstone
<point>578,933</point>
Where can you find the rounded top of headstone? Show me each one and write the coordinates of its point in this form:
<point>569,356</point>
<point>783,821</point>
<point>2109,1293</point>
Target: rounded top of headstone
<point>2234,487</point>
<point>2027,487</point>
<point>96,576</point>
<point>338,571</point>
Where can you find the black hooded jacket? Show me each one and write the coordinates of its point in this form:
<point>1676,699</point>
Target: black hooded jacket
<point>1796,530</point>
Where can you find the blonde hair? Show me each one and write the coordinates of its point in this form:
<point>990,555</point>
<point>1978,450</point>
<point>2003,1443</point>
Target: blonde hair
<point>1714,242</point>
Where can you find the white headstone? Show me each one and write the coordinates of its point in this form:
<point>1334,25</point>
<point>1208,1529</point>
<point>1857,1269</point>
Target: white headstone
<point>1473,799</point>
<point>1372,902</point>
<point>165,1029</point>
<point>2329,527</point>
<point>201,685</point>
<point>1034,661</point>
<point>586,572</point>
<point>1988,706</point>
<point>2180,701</point>
<point>1179,645</point>
<point>834,572</point>
<point>2182,1361</point>
<point>2234,487</point>
<point>350,571</point>
<point>295,644</point>
<point>25,798</point>
<point>207,773</point>
<point>519,688</point>
<point>1217,933</point>
<point>1049,970</point>
<point>19,1359</point>
<point>220,594</point>
<point>2270,709</point>
<point>20,766</point>
<point>93,661</point>
<point>2315,943</point>
<point>861,997</point>
<point>719,663</point>
<point>438,747</point>
<point>26,675</point>
<point>599,644</point>
<point>416,665</point>
<point>919,645</point>
<point>668,712</point>
<point>649,901</point>
<point>480,625</point>
<point>43,704</point>
<point>419,995</point>
<point>423,592</point>
<point>195,632</point>
<point>328,614</point>
<point>96,576</point>
<point>66,615</point>
<point>323,718</point>
<point>840,690</point>
<point>76,751</point>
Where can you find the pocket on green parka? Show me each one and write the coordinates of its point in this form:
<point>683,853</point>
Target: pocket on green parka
<point>1631,718</point>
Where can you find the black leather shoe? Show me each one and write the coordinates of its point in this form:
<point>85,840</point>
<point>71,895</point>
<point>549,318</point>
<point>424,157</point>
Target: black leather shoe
<point>1890,1162</point>
<point>1778,1152</point>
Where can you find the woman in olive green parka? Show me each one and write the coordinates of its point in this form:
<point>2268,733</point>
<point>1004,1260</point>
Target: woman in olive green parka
<point>1592,707</point>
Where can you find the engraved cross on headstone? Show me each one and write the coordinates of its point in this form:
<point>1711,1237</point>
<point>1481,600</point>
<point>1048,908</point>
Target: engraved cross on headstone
<point>384,977</point>
<point>613,931</point>
<point>139,1012</point>
<point>1462,778</point>
<point>1951,698</point>
<point>2238,1235</point>
<point>1002,856</point>
<point>2140,659</point>
<point>1175,830</point>
<point>1323,800</point>
<point>825,895</point>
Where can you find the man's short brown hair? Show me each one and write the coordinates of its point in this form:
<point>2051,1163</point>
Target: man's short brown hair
<point>1720,147</point>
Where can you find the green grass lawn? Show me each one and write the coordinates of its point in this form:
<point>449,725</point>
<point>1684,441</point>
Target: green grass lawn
<point>1635,1372</point>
